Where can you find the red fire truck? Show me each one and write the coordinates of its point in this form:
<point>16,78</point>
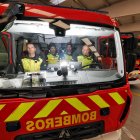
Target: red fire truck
<point>66,100</point>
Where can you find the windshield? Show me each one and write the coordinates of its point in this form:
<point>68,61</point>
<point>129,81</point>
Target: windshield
<point>63,53</point>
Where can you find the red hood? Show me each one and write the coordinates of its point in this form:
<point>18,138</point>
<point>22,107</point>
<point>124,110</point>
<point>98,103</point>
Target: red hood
<point>40,11</point>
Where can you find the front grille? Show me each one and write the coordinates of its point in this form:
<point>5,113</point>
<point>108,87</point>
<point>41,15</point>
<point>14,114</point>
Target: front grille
<point>72,133</point>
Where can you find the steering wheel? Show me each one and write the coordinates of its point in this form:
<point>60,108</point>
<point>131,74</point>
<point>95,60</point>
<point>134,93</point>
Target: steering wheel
<point>93,65</point>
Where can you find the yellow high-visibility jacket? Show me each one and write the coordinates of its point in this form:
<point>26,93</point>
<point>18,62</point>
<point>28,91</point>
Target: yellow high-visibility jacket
<point>85,60</point>
<point>52,59</point>
<point>67,57</point>
<point>31,65</point>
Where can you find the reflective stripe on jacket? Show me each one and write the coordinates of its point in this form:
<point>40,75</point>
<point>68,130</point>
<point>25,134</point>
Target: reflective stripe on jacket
<point>52,59</point>
<point>31,65</point>
<point>85,60</point>
<point>67,57</point>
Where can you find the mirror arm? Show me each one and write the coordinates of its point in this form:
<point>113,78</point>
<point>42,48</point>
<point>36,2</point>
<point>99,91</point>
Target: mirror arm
<point>14,9</point>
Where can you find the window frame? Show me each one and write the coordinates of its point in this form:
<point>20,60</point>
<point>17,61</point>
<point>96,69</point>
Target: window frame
<point>6,45</point>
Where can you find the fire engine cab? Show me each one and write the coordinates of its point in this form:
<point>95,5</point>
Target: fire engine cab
<point>67,99</point>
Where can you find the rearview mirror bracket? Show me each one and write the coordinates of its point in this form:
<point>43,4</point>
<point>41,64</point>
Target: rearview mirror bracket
<point>14,11</point>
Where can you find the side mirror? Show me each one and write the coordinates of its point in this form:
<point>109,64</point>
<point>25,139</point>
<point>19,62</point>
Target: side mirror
<point>130,62</point>
<point>13,12</point>
<point>129,41</point>
<point>130,44</point>
<point>135,43</point>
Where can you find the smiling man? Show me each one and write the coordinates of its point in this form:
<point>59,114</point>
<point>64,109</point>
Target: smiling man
<point>86,58</point>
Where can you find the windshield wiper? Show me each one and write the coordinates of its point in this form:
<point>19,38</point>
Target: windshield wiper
<point>22,93</point>
<point>52,92</point>
<point>45,92</point>
<point>93,65</point>
<point>3,74</point>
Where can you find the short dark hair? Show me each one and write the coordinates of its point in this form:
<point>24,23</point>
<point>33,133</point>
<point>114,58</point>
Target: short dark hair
<point>69,44</point>
<point>31,43</point>
<point>52,45</point>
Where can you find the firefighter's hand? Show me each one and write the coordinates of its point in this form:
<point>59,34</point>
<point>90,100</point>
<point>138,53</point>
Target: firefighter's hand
<point>99,58</point>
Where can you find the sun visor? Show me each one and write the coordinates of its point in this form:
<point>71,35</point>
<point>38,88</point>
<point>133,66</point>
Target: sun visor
<point>96,54</point>
<point>87,41</point>
<point>62,25</point>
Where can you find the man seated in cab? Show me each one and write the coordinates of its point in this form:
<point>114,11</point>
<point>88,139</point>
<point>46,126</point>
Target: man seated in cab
<point>52,57</point>
<point>86,58</point>
<point>33,62</point>
<point>68,53</point>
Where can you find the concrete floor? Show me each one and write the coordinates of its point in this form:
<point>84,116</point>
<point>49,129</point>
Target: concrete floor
<point>133,122</point>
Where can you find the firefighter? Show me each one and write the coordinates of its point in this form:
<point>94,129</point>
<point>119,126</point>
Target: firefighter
<point>33,62</point>
<point>52,57</point>
<point>68,53</point>
<point>86,57</point>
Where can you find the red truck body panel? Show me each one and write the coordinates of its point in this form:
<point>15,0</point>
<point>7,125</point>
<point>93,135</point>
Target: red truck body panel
<point>39,115</point>
<point>64,112</point>
<point>40,11</point>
